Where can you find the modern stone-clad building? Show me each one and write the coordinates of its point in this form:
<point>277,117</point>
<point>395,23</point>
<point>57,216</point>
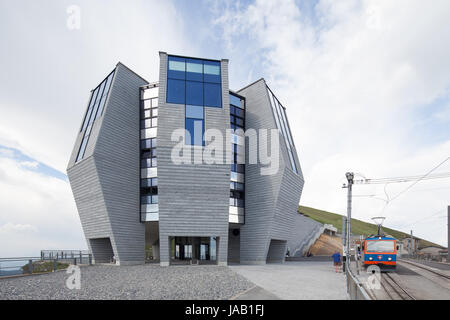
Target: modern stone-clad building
<point>184,170</point>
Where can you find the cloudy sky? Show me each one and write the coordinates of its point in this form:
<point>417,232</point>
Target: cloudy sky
<point>366,85</point>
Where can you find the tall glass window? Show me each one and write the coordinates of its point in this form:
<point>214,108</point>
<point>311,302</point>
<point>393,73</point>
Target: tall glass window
<point>194,83</point>
<point>279,112</point>
<point>237,121</point>
<point>149,121</point>
<point>195,125</point>
<point>94,111</point>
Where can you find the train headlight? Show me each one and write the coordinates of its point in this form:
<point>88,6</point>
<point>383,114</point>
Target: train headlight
<point>370,258</point>
<point>389,258</point>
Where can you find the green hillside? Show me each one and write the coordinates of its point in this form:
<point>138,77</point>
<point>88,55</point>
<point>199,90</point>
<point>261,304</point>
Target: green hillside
<point>358,226</point>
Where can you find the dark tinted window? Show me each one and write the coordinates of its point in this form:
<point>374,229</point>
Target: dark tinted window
<point>213,95</point>
<point>176,91</point>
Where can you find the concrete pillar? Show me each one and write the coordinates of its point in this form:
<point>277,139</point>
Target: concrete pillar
<point>164,250</point>
<point>155,251</point>
<point>222,250</point>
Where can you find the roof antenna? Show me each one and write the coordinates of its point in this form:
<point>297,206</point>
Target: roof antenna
<point>379,221</point>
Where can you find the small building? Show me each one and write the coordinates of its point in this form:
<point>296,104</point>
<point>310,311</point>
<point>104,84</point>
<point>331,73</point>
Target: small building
<point>431,253</point>
<point>409,245</point>
<point>443,255</point>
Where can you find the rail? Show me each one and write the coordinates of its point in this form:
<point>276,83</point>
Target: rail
<point>426,268</point>
<point>393,289</point>
<point>14,266</point>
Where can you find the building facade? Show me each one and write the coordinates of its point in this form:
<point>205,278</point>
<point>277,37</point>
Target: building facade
<point>186,169</point>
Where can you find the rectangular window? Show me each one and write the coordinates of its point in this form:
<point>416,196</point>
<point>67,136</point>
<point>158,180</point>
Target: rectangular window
<point>194,93</point>
<point>150,93</point>
<point>195,129</point>
<point>195,112</point>
<point>149,114</point>
<point>177,68</point>
<point>213,95</point>
<point>82,148</point>
<point>194,82</point>
<point>176,91</point>
<point>235,101</point>
<point>195,126</point>
<point>146,163</point>
<point>89,111</point>
<point>150,182</point>
<point>149,199</point>
<point>146,114</point>
<point>236,186</point>
<point>211,70</point>
<point>147,104</point>
<point>97,103</point>
<point>148,143</point>
<point>105,95</point>
<point>95,109</point>
<point>194,70</point>
<point>282,124</point>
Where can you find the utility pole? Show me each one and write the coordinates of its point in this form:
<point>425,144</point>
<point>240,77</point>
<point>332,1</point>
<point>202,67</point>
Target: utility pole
<point>344,238</point>
<point>349,176</point>
<point>412,244</point>
<point>448,233</point>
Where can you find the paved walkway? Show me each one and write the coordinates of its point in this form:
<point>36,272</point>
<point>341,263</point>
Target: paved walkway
<point>296,280</point>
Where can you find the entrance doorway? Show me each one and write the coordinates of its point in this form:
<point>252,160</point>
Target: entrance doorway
<point>193,250</point>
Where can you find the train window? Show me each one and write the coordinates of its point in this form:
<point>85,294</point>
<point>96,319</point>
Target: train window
<point>380,246</point>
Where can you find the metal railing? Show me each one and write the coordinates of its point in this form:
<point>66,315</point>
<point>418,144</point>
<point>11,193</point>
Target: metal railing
<point>13,266</point>
<point>64,254</point>
<point>355,289</point>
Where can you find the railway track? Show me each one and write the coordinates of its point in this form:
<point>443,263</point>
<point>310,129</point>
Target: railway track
<point>393,289</point>
<point>418,265</point>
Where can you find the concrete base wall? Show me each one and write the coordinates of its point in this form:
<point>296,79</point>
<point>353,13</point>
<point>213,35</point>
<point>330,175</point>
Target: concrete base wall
<point>102,251</point>
<point>277,251</point>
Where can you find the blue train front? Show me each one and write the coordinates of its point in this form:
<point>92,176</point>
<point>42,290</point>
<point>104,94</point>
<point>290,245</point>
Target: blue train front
<point>380,251</point>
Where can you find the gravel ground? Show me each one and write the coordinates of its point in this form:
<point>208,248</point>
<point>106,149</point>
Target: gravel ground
<point>130,282</point>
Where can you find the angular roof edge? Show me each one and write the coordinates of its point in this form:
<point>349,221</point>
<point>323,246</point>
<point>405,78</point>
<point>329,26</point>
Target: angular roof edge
<point>120,63</point>
<point>260,79</point>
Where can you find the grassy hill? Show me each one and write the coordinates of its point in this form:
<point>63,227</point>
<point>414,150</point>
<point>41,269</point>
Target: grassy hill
<point>358,226</point>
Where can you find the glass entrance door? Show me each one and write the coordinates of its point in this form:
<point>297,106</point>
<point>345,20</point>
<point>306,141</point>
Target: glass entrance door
<point>193,249</point>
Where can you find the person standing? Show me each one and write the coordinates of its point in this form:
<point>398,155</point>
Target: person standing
<point>337,261</point>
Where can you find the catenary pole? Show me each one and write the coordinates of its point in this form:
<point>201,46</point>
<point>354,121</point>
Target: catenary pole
<point>349,176</point>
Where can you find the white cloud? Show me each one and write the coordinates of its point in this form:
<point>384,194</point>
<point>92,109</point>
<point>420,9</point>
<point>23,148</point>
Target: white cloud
<point>29,164</point>
<point>49,70</point>
<point>36,212</point>
<point>47,74</point>
<point>355,80</point>
<point>10,228</point>
<point>4,152</point>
